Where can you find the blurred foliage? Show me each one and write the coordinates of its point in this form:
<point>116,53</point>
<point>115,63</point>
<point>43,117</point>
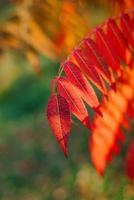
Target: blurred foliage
<point>39,34</point>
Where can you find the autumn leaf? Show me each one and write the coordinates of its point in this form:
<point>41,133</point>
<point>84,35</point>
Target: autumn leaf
<point>88,69</point>
<point>58,114</point>
<point>118,41</point>
<point>86,91</point>
<point>126,24</point>
<point>77,107</point>
<point>95,58</point>
<point>107,50</point>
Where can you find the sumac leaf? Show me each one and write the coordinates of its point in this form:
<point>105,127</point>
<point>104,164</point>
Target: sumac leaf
<point>58,114</point>
<point>107,50</point>
<point>96,59</point>
<point>89,70</point>
<point>127,29</point>
<point>118,41</point>
<point>84,88</point>
<point>77,107</point>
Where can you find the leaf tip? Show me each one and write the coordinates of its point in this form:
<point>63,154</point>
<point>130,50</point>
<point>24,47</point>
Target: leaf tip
<point>66,153</point>
<point>98,111</point>
<point>86,122</point>
<point>113,86</point>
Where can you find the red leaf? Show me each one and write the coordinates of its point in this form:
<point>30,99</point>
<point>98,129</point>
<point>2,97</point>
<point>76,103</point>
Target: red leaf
<point>77,107</point>
<point>117,40</point>
<point>86,91</point>
<point>127,28</point>
<point>96,59</point>
<point>58,115</point>
<point>89,70</point>
<point>107,50</point>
